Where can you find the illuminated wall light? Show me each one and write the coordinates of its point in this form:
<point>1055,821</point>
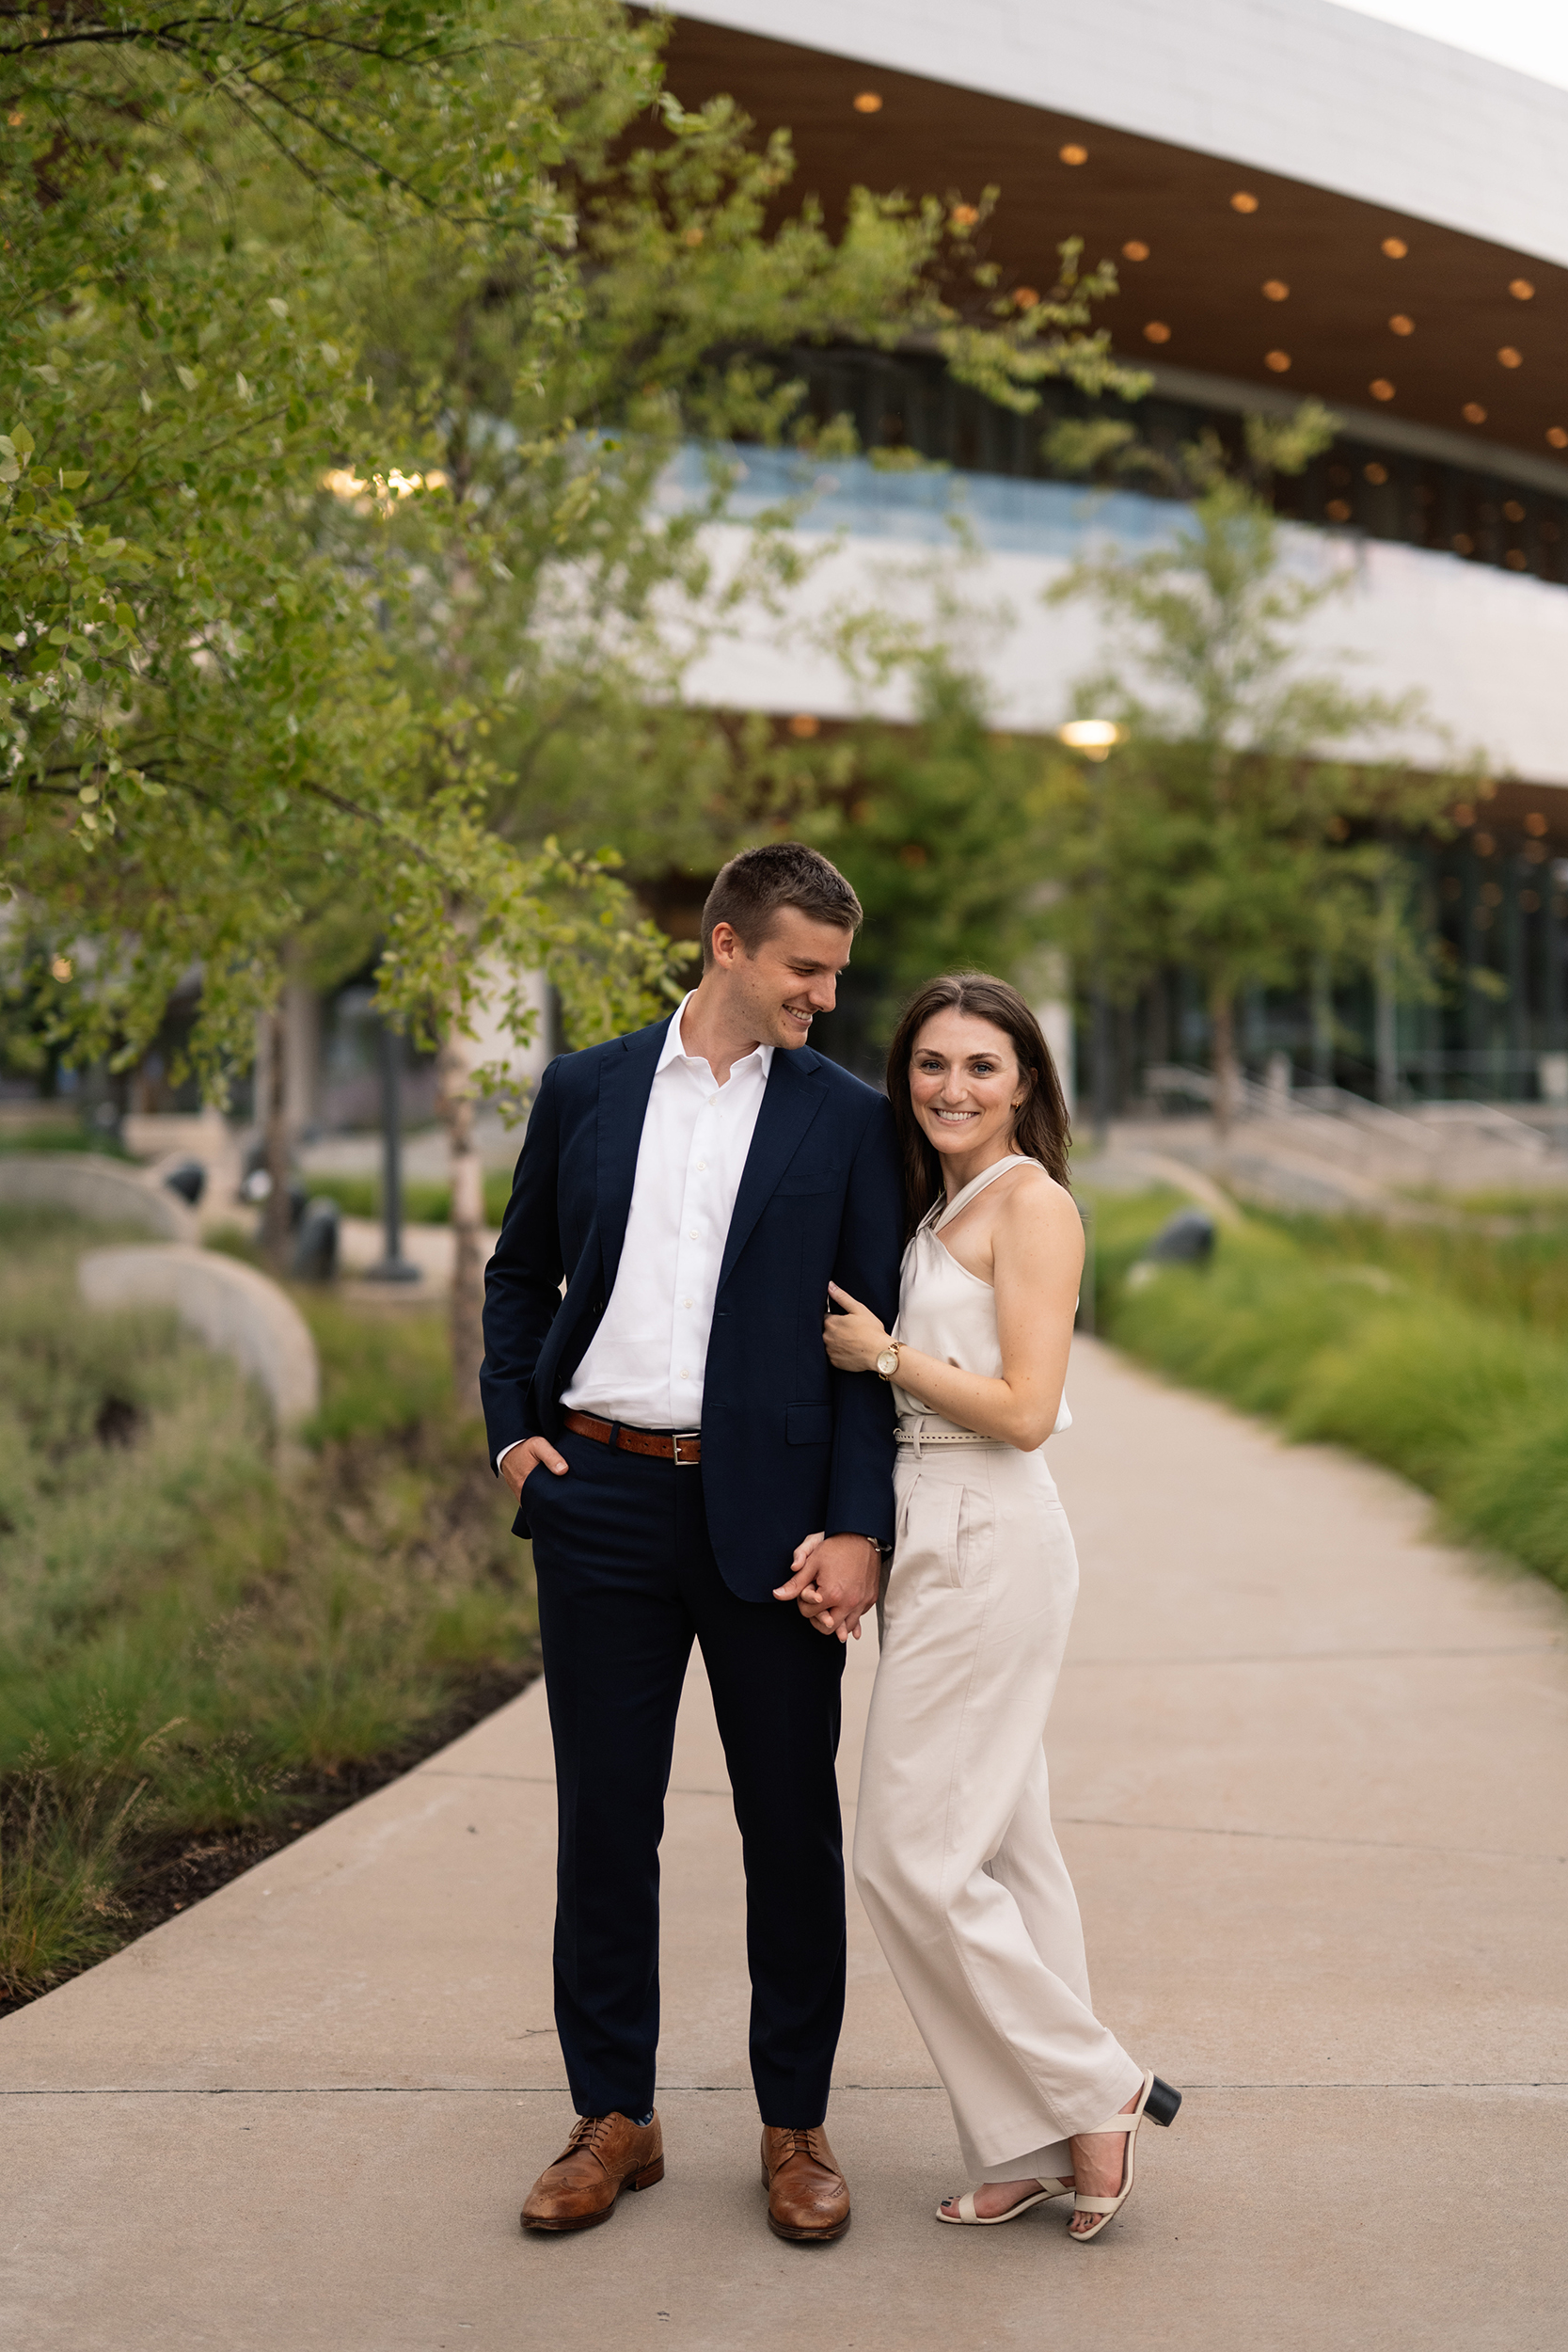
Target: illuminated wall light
<point>1395,247</point>
<point>1275,290</point>
<point>1278,361</point>
<point>1374,472</point>
<point>1073,154</point>
<point>1521,289</point>
<point>964,215</point>
<point>1508,358</point>
<point>1244,203</point>
<point>1473,413</point>
<point>1337,510</point>
<point>805,725</point>
<point>1381,388</point>
<point>1513,509</point>
<point>1558,436</point>
<point>1403,323</point>
<point>1135,250</point>
<point>1157,331</point>
<point>868,101</point>
<point>1535,823</point>
<point>1027,297</point>
<point>1095,735</point>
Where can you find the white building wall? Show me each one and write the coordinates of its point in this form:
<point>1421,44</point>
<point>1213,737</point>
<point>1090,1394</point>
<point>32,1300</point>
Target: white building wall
<point>1486,649</point>
<point>1299,87</point>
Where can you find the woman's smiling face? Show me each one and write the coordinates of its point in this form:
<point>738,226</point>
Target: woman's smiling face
<point>965,1083</point>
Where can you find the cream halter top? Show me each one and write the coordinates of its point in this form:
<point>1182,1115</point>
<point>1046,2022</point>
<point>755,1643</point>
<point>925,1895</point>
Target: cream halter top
<point>946,1312</point>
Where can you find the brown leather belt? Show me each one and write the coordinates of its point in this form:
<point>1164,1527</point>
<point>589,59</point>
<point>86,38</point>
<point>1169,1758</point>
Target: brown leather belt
<point>683,1447</point>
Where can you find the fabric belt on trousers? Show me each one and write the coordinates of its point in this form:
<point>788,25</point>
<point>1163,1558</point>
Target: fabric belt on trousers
<point>910,1431</point>
<point>683,1447</point>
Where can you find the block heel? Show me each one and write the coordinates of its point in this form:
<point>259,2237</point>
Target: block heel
<point>1162,2103</point>
<point>649,2174</point>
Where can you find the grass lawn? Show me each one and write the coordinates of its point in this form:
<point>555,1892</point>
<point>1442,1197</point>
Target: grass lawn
<point>197,1662</point>
<point>1439,1350</point>
<point>425,1200</point>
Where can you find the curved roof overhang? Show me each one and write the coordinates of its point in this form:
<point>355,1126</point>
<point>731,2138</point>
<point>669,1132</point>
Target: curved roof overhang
<point>1456,334</point>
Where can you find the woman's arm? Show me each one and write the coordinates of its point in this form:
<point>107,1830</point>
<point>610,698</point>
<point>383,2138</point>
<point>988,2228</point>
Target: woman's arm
<point>1037,1252</point>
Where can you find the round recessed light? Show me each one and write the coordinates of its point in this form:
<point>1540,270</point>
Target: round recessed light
<point>1275,290</point>
<point>1558,436</point>
<point>1381,388</point>
<point>1072,153</point>
<point>868,101</point>
<point>1278,361</point>
<point>1337,510</point>
<point>1374,472</point>
<point>1403,323</point>
<point>1513,509</point>
<point>1473,413</point>
<point>1508,358</point>
<point>1157,331</point>
<point>1521,289</point>
<point>1516,559</point>
<point>1464,545</point>
<point>1135,250</point>
<point>1395,247</point>
<point>1244,203</point>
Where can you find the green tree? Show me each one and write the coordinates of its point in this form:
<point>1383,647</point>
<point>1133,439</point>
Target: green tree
<point>345,352</point>
<point>1246,823</point>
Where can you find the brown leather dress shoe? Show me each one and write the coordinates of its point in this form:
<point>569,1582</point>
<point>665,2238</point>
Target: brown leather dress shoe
<point>605,2154</point>
<point>808,2197</point>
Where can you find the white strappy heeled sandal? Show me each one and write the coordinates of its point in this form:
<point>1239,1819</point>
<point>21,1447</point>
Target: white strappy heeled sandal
<point>967,2214</point>
<point>1159,2102</point>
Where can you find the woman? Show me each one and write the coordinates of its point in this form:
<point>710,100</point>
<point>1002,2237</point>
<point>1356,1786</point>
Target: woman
<point>955,1856</point>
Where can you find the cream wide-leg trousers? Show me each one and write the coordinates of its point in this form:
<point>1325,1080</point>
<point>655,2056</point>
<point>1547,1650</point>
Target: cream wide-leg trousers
<point>955,1856</point>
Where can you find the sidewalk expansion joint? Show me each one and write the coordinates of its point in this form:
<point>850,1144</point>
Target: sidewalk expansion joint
<point>1319,1656</point>
<point>1309,1838</point>
<point>670,2090</point>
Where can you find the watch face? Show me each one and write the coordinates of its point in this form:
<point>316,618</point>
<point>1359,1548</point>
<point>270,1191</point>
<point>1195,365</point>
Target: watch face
<point>887,1362</point>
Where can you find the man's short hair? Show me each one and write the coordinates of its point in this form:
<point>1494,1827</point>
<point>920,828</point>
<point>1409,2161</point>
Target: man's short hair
<point>755,887</point>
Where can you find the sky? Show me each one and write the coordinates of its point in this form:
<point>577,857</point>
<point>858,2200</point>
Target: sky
<point>1529,35</point>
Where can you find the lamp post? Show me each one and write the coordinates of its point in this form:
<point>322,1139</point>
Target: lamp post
<point>1096,739</point>
<point>394,1267</point>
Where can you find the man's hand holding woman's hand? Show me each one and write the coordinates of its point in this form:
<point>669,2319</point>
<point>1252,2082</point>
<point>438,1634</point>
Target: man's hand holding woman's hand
<point>518,1460</point>
<point>834,1582</point>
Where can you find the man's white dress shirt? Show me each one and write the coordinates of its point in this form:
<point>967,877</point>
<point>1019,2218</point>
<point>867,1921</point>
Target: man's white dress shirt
<point>644,1364</point>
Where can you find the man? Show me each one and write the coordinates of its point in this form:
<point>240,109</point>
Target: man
<point>672,1428</point>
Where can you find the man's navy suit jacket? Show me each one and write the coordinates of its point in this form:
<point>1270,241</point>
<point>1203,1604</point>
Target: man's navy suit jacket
<point>788,1443</point>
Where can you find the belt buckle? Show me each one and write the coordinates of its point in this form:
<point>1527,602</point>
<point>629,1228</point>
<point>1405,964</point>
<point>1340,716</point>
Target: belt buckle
<point>685,1436</point>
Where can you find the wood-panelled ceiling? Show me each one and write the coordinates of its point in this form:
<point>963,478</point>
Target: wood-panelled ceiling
<point>1433,335</point>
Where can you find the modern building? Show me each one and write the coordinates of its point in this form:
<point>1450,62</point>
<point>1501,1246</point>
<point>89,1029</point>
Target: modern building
<point>1298,201</point>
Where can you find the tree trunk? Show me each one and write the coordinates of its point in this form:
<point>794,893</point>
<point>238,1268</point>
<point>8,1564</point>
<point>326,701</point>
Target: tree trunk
<point>455,1104</point>
<point>274,1132</point>
<point>1228,1076</point>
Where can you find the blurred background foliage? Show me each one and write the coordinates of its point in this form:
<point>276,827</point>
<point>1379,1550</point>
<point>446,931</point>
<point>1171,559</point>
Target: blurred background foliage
<point>196,1659</point>
<point>1437,1346</point>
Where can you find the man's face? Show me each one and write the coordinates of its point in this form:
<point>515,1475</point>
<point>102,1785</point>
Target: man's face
<point>793,975</point>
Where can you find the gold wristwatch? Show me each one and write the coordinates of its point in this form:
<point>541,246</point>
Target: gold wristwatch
<point>887,1362</point>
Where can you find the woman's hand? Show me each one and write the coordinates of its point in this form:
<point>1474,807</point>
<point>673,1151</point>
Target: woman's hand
<point>855,1339</point>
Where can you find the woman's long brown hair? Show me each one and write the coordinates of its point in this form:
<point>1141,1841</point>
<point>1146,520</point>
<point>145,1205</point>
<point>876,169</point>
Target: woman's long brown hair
<point>1041,1129</point>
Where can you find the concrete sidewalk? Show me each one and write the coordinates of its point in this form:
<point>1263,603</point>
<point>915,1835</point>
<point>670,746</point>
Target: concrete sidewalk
<point>1310,1770</point>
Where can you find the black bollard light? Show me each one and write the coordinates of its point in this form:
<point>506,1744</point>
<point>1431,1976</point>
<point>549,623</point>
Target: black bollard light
<point>394,1267</point>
